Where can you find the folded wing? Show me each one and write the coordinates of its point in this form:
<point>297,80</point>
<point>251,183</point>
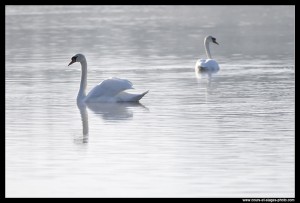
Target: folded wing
<point>109,88</point>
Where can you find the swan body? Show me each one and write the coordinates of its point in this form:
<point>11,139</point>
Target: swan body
<point>208,64</point>
<point>109,90</point>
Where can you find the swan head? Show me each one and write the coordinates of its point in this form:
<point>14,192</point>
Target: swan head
<point>77,58</point>
<point>211,39</point>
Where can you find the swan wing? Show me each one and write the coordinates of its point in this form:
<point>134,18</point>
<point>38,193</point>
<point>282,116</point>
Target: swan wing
<point>200,63</point>
<point>109,88</point>
<point>207,64</point>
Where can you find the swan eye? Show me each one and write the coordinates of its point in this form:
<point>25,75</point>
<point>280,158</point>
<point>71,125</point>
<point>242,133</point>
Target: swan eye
<point>213,39</point>
<point>74,58</point>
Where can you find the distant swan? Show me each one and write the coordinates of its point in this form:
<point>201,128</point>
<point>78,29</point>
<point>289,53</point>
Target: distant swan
<point>109,90</point>
<point>207,64</point>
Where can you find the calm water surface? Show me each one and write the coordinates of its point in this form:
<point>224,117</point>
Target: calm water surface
<point>227,134</point>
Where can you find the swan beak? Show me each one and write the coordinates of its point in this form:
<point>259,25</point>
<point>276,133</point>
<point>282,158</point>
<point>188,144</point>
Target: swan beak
<point>214,40</point>
<point>73,61</point>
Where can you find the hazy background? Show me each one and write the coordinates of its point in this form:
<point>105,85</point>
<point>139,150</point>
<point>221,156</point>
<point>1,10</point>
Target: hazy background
<point>230,134</point>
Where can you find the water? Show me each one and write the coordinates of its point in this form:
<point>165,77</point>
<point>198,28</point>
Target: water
<point>229,134</point>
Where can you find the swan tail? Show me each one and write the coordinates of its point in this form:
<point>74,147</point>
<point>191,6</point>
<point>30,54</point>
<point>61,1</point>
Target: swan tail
<point>138,97</point>
<point>128,97</point>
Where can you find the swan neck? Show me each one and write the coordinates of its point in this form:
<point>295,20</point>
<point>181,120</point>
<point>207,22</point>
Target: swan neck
<point>83,83</point>
<point>206,44</point>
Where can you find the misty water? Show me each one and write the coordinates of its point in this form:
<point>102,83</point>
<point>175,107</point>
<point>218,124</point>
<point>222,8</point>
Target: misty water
<point>225,134</point>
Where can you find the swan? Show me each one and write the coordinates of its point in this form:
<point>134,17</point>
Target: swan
<point>207,64</point>
<point>109,90</point>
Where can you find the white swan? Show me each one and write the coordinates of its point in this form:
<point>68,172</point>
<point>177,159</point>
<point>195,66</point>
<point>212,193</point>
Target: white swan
<point>109,90</point>
<point>207,64</point>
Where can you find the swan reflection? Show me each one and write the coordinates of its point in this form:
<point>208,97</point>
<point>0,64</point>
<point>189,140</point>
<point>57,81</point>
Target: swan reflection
<point>107,111</point>
<point>205,75</point>
<point>114,111</point>
<point>204,80</point>
<point>85,122</point>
